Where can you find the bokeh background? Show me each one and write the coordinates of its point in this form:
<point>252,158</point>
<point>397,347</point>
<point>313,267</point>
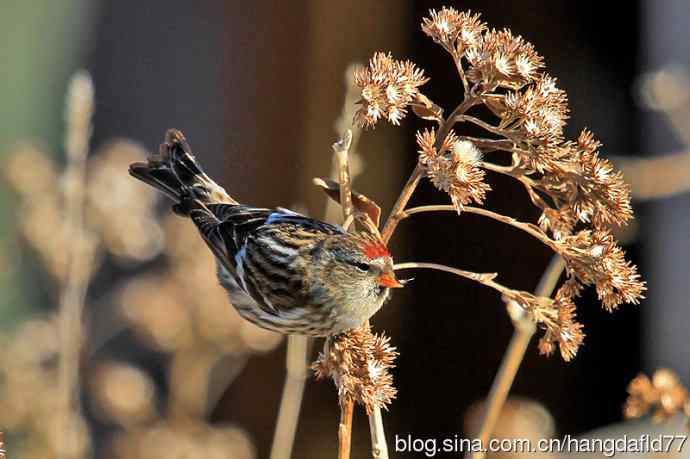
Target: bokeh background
<point>166,366</point>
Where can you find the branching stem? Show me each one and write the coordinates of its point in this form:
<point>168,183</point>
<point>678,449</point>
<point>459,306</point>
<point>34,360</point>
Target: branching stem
<point>529,228</point>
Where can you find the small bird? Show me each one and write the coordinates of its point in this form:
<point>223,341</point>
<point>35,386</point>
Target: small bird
<point>283,271</point>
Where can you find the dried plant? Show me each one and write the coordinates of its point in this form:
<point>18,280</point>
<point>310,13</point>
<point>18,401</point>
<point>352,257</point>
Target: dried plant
<point>664,395</point>
<point>580,195</point>
<point>359,362</point>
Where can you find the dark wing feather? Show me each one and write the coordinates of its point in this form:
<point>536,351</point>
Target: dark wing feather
<point>237,222</point>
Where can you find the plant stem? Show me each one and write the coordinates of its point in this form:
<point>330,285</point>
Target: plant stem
<point>291,400</point>
<point>345,429</point>
<point>515,353</point>
<point>529,228</point>
<point>490,144</point>
<point>80,253</point>
<point>379,448</point>
<point>341,149</point>
<point>461,72</point>
<point>486,126</point>
<point>399,206</point>
<point>483,278</point>
<point>453,118</point>
<point>406,193</point>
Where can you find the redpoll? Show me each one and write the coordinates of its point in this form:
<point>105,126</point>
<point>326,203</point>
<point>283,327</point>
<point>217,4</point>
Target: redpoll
<point>283,271</point>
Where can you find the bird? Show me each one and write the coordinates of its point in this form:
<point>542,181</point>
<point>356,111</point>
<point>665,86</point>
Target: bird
<point>283,271</point>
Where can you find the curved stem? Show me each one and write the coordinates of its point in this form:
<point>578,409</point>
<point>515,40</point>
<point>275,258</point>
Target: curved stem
<point>403,199</point>
<point>486,126</point>
<point>515,353</point>
<point>490,144</point>
<point>454,117</point>
<point>409,188</point>
<point>509,171</point>
<point>529,228</point>
<point>461,72</point>
<point>483,278</point>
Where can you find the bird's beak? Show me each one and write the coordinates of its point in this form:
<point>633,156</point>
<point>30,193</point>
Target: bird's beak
<point>388,280</point>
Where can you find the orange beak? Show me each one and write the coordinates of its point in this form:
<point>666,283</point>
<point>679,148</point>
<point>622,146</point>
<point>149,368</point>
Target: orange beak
<point>389,280</point>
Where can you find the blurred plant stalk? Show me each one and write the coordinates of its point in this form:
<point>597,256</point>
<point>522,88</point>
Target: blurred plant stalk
<point>80,253</point>
<point>515,353</point>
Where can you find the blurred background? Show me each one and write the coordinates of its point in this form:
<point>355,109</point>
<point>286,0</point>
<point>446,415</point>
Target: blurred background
<point>167,368</point>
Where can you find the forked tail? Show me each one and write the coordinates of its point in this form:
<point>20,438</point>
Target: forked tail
<point>176,172</point>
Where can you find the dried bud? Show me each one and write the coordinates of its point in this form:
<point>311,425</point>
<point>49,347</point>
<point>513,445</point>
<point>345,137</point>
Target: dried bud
<point>539,112</point>
<point>454,168</point>
<point>455,31</point>
<point>388,87</point>
<point>664,393</point>
<point>595,258</point>
<point>502,59</point>
<point>359,363</point>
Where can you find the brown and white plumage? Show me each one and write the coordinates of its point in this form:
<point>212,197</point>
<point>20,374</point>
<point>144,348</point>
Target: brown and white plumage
<point>283,271</point>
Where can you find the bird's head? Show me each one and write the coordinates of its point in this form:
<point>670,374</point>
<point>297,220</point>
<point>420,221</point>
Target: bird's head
<point>362,262</point>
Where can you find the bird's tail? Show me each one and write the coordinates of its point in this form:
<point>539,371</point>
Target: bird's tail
<point>176,172</point>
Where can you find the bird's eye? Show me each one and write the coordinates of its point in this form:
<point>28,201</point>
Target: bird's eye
<point>361,266</point>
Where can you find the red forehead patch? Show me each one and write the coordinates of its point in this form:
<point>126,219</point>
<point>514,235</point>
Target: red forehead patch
<point>375,250</point>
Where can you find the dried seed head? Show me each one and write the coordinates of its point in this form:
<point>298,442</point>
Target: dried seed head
<point>388,86</point>
<point>595,258</point>
<point>540,113</point>
<point>565,330</point>
<point>359,363</point>
<point>455,31</point>
<point>454,168</point>
<point>502,59</point>
<point>664,394</point>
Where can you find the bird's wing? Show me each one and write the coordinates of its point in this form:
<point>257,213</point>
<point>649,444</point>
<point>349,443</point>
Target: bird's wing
<point>261,247</point>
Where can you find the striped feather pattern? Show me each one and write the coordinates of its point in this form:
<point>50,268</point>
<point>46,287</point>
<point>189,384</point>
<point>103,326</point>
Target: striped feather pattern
<point>283,271</point>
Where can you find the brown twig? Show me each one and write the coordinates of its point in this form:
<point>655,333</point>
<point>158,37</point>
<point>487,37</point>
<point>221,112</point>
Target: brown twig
<point>408,190</point>
<point>345,429</point>
<point>482,278</point>
<point>399,206</point>
<point>341,148</point>
<point>291,400</point>
<point>529,228</point>
<point>515,353</point>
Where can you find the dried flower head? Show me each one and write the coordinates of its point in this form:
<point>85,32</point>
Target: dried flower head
<point>501,59</point>
<point>455,31</point>
<point>593,257</point>
<point>557,317</point>
<point>359,363</point>
<point>664,394</point>
<point>564,330</point>
<point>538,113</point>
<point>454,168</point>
<point>388,87</point>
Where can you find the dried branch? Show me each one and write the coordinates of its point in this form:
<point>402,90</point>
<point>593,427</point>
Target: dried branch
<point>528,228</point>
<point>291,400</point>
<point>341,148</point>
<point>515,353</point>
<point>409,188</point>
<point>345,429</point>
